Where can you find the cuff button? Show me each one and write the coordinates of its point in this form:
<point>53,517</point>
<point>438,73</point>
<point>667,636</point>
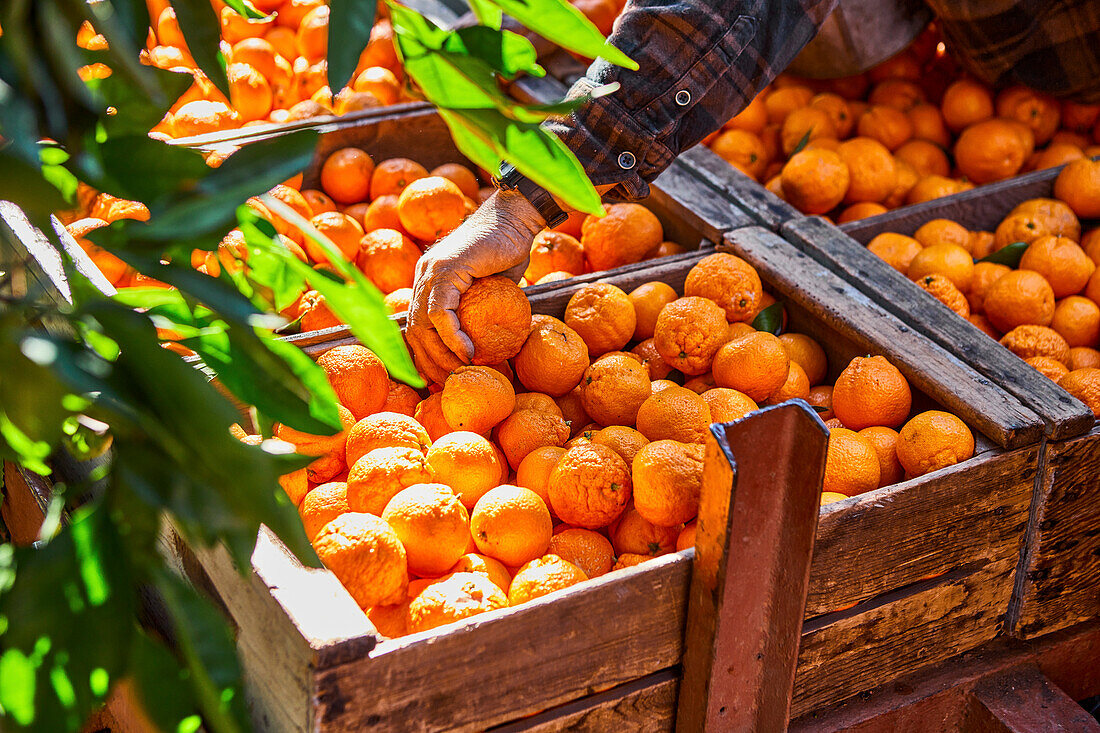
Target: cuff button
<point>627,160</point>
<point>683,97</point>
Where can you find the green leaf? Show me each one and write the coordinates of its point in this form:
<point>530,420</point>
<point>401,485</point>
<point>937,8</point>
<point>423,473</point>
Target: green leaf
<point>273,273</point>
<point>770,319</point>
<point>139,168</point>
<point>136,111</point>
<point>349,26</point>
<point>162,684</point>
<point>246,10</point>
<point>506,52</point>
<point>18,674</point>
<point>561,23</point>
<point>802,143</point>
<point>202,31</point>
<point>1009,255</point>
<point>26,185</point>
<point>487,14</point>
<point>820,408</point>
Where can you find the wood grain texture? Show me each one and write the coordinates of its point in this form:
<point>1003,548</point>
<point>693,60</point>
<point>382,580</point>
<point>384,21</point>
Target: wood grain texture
<point>1060,585</point>
<point>763,207</point>
<point>585,639</point>
<point>1023,700</point>
<point>795,275</point>
<point>885,642</point>
<point>1063,415</point>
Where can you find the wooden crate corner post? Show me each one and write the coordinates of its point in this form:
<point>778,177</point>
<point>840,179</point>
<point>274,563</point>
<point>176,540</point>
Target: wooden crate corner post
<point>757,520</point>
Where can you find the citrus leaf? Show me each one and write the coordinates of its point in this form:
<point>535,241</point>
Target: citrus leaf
<point>770,319</point>
<point>487,14</point>
<point>802,143</point>
<point>349,26</point>
<point>561,23</point>
<point>506,52</point>
<point>1010,255</point>
<point>246,10</point>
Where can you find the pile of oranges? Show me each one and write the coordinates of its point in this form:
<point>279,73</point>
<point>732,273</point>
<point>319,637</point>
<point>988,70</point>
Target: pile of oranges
<point>1047,309</point>
<point>277,67</point>
<point>558,455</point>
<point>910,130</point>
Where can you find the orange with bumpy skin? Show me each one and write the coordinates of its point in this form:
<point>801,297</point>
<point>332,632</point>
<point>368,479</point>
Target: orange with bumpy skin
<point>950,260</point>
<point>525,430</point>
<point>729,281</point>
<point>871,391</point>
<point>942,289</point>
<point>1019,298</point>
<point>535,469</point>
<point>985,274</point>
<point>1028,341</point>
<point>467,463</point>
<point>476,398</point>
<point>536,401</point>
<point>821,396</point>
<point>621,237</point>
<point>651,359</point>
<point>933,440</point>
<point>379,475</point>
<point>1061,261</point>
<point>496,316</point>
<point>649,299</point>
<point>885,442</point>
<point>511,524</point>
<point>796,386</point>
<point>603,315</point>
<point>851,463</point>
<point>635,534</point>
<point>815,181</point>
<point>629,560</point>
<point>674,414</point>
<point>431,207</point>
<point>330,448</point>
<point>897,250</point>
<point>808,354</point>
<point>613,389</point>
<point>1053,217</point>
<point>689,332</point>
<point>365,554</point>
<point>1084,384</point>
<point>590,551</point>
<point>388,258</point>
<point>390,177</point>
<point>323,504</point>
<point>358,377</point>
<point>429,413</point>
<point>623,440</point>
<point>543,576</point>
<point>727,405</point>
<point>454,598</point>
<point>384,430</point>
<point>552,359</point>
<point>1077,320</point>
<point>1078,184</point>
<point>590,486</point>
<point>943,231</point>
<point>492,569</point>
<point>1049,367</point>
<point>668,476</point>
<point>313,311</point>
<point>554,252</point>
<point>1082,357</point>
<point>346,175</point>
<point>1019,227</point>
<point>872,171</point>
<point>432,525</point>
<point>756,365</point>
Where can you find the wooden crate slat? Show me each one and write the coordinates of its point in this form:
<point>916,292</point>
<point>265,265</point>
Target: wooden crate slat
<point>1064,415</point>
<point>765,208</point>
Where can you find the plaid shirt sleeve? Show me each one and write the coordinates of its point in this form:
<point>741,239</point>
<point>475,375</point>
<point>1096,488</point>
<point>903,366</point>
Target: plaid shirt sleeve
<point>700,62</point>
<point>1050,45</point>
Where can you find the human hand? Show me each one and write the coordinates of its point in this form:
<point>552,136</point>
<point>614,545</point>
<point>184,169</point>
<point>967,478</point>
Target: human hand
<point>495,239</point>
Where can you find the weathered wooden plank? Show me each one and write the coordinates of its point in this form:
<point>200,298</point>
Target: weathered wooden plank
<point>1023,700</point>
<point>796,276</point>
<point>764,207</point>
<point>1060,583</point>
<point>587,638</point>
<point>1064,416</point>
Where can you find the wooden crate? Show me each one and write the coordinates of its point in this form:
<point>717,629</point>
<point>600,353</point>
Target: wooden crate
<point>902,577</point>
<point>1059,583</point>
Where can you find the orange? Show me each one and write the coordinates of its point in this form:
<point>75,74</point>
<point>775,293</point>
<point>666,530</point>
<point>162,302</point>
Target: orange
<point>203,116</point>
<point>803,125</point>
<point>897,250</point>
<point>629,560</point>
<point>454,598</point>
<point>982,324</point>
<point>459,175</point>
<point>822,396</point>
<point>1081,357</point>
<point>291,12</point>
<point>249,92</point>
<point>431,207</point>
<point>926,157</point>
<point>872,172</point>
<point>1021,227</point>
<point>511,524</point>
<point>1049,367</point>
<point>621,237</point>
<point>651,359</point>
<point>752,118</point>
<point>614,388</point>
<point>648,299</point>
<point>851,463</point>
<point>476,398</point>
<point>889,126</point>
<point>674,414</point>
<point>815,181</point>
<point>1061,261</point>
<point>384,430</point>
<point>492,569</point>
<point>1055,155</point>
<point>942,289</point>
<point>838,111</point>
<point>379,214</point>
<point>314,313</point>
<point>467,463</point>
<point>590,486</point>
<point>366,555</point>
<point>950,260</point>
<point>525,430</point>
<point>907,181</point>
<point>933,187</point>
<point>1092,288</point>
<point>729,281</point>
<point>432,524</point>
<point>376,477</point>
<point>727,405</point>
<point>318,201</point>
<point>634,534</point>
<point>981,244</point>
<point>552,359</point>
<point>990,151</point>
<point>621,439</point>
<point>665,249</point>
<point>590,551</point>
<point>966,102</point>
<point>862,210</point>
<point>1078,117</point>
<point>928,124</point>
<point>1052,216</point>
<point>603,315</point>
<point>1077,320</point>
<point>388,258</point>
<point>943,231</point>
<point>536,401</point>
<point>795,387</point>
<point>496,316</point>
<point>429,413</point>
<point>393,175</point>
<point>346,175</point>
<point>1040,112</point>
<point>756,365</point>
<point>296,201</point>
<point>901,94</point>
<point>985,274</point>
<point>1078,184</point>
<point>358,377</point>
<point>808,354</point>
<point>933,440</point>
<point>541,577</point>
<point>572,410</point>
<point>831,497</point>
<point>781,102</point>
<point>668,477</point>
<point>1019,298</point>
<point>686,538</point>
<point>743,150</point>
<point>401,399</point>
<point>535,469</point>
<point>689,332</point>
<point>1028,341</point>
<point>871,391</point>
<point>323,504</point>
<point>884,441</point>
<point>1084,384</point>
<point>379,82</point>
<point>554,252</point>
<point>342,230</point>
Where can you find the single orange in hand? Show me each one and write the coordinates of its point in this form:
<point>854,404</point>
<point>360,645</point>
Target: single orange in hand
<point>496,316</point>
